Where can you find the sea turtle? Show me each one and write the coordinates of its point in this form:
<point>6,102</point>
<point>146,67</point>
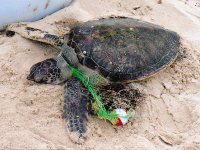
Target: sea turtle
<point>110,50</point>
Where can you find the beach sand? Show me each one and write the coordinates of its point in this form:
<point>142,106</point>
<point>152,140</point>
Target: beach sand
<point>168,118</point>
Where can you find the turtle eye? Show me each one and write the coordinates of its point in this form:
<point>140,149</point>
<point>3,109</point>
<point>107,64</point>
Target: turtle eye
<point>46,64</point>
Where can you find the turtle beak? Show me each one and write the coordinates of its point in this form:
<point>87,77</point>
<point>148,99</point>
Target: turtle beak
<point>28,77</point>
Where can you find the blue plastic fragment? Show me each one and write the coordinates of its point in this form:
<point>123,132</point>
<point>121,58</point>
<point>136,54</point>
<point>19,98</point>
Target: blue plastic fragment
<point>12,11</point>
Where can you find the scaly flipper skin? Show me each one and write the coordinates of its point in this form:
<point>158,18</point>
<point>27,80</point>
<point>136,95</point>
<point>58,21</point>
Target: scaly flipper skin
<point>75,110</point>
<point>36,35</point>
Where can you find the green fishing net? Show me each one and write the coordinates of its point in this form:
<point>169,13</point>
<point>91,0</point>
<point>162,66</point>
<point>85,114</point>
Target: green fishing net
<point>96,103</point>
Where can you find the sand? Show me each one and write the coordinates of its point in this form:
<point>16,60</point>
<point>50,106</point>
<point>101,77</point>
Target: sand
<point>168,118</point>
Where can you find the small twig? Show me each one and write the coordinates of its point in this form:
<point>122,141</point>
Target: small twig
<point>136,7</point>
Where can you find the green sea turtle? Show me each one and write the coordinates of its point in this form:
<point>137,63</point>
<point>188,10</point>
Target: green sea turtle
<point>112,50</point>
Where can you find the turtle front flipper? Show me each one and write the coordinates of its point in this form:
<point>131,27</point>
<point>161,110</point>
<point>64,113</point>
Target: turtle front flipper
<point>75,110</point>
<point>36,34</point>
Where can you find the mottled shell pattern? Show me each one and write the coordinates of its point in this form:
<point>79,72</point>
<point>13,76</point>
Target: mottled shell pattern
<point>124,49</point>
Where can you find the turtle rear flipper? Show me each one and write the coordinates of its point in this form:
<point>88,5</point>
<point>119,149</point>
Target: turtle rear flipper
<point>36,34</point>
<point>75,110</point>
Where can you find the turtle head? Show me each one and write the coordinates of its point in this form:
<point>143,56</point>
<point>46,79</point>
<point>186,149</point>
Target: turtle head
<point>54,70</point>
<point>47,71</point>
